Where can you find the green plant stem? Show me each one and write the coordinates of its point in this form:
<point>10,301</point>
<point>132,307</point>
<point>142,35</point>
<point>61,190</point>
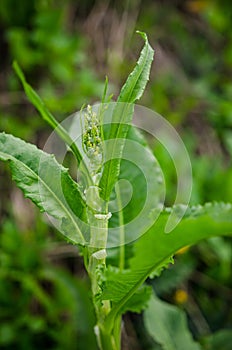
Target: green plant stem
<point>97,257</point>
<point>97,263</point>
<point>117,331</point>
<point>107,341</point>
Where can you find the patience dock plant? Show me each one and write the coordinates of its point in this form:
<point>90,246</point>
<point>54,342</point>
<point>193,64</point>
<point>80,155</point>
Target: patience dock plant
<point>81,210</point>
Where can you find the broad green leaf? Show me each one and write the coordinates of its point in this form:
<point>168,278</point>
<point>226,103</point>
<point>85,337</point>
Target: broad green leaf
<point>136,82</point>
<point>139,301</point>
<point>167,325</point>
<point>122,116</point>
<point>48,184</point>
<point>221,340</point>
<point>50,119</point>
<point>137,192</point>
<point>155,247</point>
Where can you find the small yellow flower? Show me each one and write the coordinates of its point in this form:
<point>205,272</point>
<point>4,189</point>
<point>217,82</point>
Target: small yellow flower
<point>181,296</point>
<point>183,250</point>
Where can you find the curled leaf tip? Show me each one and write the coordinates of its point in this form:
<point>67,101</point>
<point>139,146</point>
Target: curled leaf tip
<point>143,34</point>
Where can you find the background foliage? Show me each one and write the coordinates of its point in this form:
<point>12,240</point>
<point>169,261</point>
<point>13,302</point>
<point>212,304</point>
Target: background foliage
<point>65,49</point>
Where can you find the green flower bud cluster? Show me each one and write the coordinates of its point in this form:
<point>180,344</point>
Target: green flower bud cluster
<point>92,139</point>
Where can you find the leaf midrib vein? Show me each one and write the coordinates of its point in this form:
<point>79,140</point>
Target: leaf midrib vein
<point>118,129</point>
<point>54,195</point>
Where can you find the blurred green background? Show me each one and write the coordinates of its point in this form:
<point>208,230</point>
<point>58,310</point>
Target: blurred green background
<point>65,49</point>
